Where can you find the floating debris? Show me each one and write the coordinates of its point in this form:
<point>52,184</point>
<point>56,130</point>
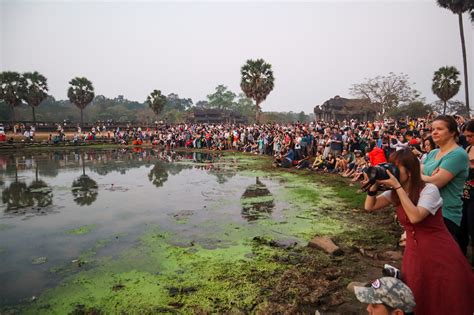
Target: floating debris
<point>39,260</point>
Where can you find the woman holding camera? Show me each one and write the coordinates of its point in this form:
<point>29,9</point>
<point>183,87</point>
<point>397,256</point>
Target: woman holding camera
<point>433,265</point>
<point>447,168</point>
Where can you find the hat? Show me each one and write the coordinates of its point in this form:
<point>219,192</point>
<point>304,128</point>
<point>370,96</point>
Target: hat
<point>389,291</point>
<point>413,142</point>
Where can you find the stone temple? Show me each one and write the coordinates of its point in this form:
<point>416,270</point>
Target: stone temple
<point>340,108</point>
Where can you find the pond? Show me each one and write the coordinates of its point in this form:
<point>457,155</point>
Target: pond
<point>117,230</point>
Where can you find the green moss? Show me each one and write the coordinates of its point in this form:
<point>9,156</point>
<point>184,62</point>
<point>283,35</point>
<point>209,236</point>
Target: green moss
<point>82,230</point>
<point>165,278</point>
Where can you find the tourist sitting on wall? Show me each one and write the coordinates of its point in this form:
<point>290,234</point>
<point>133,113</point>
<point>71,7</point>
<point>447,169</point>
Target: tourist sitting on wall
<point>318,163</point>
<point>286,158</point>
<point>360,172</point>
<point>343,160</point>
<point>329,163</point>
<point>303,162</point>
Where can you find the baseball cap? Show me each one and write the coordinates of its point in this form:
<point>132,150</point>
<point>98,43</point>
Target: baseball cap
<point>389,291</point>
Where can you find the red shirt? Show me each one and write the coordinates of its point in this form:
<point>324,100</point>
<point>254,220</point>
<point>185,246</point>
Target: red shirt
<point>377,156</point>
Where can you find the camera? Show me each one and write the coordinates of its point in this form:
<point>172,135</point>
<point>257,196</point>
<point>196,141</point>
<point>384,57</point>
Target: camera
<point>391,271</point>
<point>379,172</point>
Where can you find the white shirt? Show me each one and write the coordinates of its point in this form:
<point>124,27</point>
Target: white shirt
<point>430,199</point>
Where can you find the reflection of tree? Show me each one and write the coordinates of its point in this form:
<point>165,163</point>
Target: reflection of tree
<point>257,201</point>
<point>20,196</point>
<point>84,189</point>
<point>16,196</point>
<point>158,174</point>
<point>222,174</point>
<point>41,192</point>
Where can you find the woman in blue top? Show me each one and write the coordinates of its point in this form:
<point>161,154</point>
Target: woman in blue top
<point>447,168</point>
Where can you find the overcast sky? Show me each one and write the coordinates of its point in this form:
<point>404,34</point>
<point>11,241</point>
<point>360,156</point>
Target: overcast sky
<point>317,49</point>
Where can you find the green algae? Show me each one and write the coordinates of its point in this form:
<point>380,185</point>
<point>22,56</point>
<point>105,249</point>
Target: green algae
<point>81,230</point>
<point>175,278</point>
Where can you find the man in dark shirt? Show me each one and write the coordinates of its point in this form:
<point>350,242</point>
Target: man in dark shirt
<point>336,142</point>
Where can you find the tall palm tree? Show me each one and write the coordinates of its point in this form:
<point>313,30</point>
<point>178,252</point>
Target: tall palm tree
<point>12,89</point>
<point>446,84</point>
<point>257,81</point>
<point>36,89</point>
<point>80,93</point>
<point>156,101</point>
<point>459,7</point>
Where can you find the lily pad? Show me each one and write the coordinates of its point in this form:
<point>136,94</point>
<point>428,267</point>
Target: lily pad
<point>39,260</point>
<point>81,230</point>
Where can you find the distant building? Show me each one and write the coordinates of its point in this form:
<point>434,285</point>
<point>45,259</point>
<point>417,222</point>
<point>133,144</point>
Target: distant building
<point>212,115</point>
<point>339,108</point>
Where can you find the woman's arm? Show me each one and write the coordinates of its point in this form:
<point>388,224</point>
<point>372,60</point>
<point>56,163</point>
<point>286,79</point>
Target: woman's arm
<point>440,177</point>
<point>375,202</point>
<point>414,213</point>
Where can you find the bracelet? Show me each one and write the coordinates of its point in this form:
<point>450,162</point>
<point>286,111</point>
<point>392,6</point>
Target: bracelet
<point>397,187</point>
<point>371,193</point>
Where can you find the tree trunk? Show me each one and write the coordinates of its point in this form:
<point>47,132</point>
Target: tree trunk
<point>14,114</point>
<point>257,113</point>
<point>444,107</point>
<point>464,59</point>
<point>34,115</point>
<point>82,120</point>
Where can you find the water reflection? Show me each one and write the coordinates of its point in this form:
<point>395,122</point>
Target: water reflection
<point>42,193</point>
<point>84,189</point>
<point>257,201</point>
<point>158,174</point>
<point>20,198</point>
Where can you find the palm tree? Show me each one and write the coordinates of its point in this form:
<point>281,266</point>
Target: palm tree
<point>446,84</point>
<point>12,89</point>
<point>80,93</point>
<point>459,7</point>
<point>156,101</point>
<point>36,89</point>
<point>257,81</point>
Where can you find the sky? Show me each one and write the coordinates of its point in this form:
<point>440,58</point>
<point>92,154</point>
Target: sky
<point>317,49</point>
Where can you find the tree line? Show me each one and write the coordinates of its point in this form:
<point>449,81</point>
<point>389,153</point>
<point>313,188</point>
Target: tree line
<point>31,88</point>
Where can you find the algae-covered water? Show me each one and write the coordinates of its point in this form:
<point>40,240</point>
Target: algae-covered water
<point>146,231</point>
